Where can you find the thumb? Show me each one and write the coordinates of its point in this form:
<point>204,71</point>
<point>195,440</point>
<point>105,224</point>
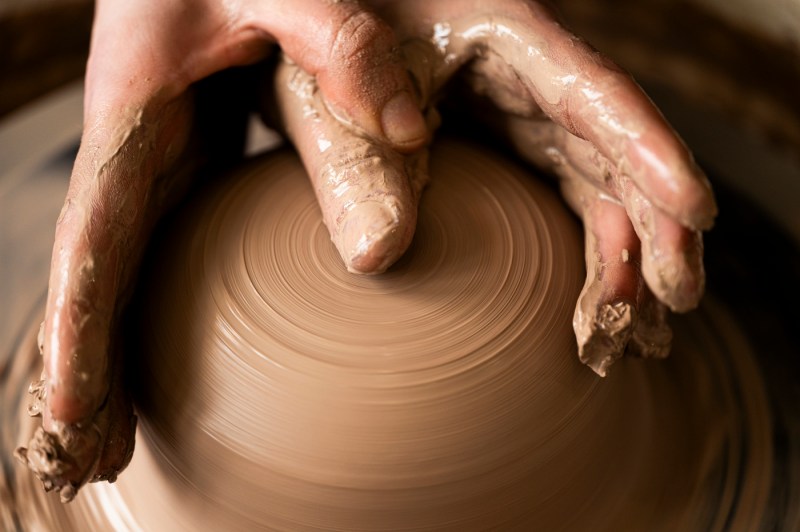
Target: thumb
<point>354,57</point>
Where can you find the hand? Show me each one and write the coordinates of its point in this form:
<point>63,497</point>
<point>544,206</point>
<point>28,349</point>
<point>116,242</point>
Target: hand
<point>151,113</point>
<point>622,168</point>
<point>564,107</point>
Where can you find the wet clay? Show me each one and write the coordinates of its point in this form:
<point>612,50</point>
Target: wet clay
<point>516,55</point>
<point>279,391</point>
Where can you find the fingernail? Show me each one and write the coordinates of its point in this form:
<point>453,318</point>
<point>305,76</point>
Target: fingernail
<point>369,238</point>
<point>402,122</point>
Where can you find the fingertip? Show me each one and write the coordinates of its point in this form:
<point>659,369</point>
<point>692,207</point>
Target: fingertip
<point>696,205</point>
<point>62,459</point>
<point>703,211</point>
<point>373,236</point>
<point>676,285</point>
<point>673,268</point>
<point>664,169</point>
<point>603,331</point>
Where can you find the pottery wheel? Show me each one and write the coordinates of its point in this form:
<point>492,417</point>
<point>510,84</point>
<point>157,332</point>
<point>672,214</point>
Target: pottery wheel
<point>276,390</point>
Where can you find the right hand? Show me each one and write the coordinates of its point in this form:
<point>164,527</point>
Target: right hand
<point>562,106</point>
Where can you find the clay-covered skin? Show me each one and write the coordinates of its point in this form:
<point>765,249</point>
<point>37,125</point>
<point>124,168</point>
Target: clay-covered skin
<point>562,105</point>
<point>280,392</point>
<point>622,168</point>
<point>367,190</point>
<point>137,154</point>
<point>565,108</point>
<point>88,423</point>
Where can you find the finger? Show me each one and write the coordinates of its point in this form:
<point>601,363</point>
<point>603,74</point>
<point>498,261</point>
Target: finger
<point>368,193</point>
<point>606,315</point>
<point>593,99</point>
<point>523,53</point>
<point>136,133</point>
<point>672,255</point>
<point>585,181</point>
<point>100,230</point>
<point>120,435</point>
<point>66,457</point>
<point>57,458</point>
<point>607,311</point>
<point>110,206</point>
<point>652,336</point>
<point>63,458</point>
<point>354,56</point>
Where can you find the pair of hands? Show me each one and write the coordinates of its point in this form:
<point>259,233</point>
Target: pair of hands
<point>349,94</point>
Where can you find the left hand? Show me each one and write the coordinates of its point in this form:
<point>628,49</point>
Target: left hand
<point>158,105</point>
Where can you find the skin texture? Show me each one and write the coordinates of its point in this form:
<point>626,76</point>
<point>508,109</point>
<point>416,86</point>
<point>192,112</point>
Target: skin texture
<point>563,106</point>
